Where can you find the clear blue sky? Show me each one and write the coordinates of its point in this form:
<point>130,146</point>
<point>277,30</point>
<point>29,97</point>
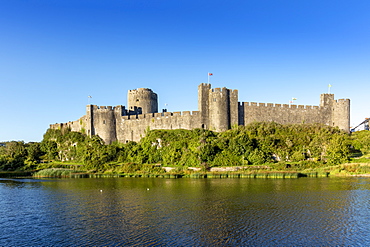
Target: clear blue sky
<point>54,53</point>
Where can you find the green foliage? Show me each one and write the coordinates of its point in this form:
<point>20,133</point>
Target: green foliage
<point>257,157</point>
<point>338,150</point>
<point>54,172</point>
<point>62,144</point>
<point>17,155</point>
<point>298,156</point>
<point>361,141</point>
<point>227,158</point>
<point>255,144</point>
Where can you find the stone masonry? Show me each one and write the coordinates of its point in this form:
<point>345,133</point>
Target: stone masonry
<point>218,110</point>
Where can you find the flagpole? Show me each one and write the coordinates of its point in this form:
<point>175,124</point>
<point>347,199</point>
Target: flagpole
<point>209,74</point>
<point>292,101</point>
<point>329,86</point>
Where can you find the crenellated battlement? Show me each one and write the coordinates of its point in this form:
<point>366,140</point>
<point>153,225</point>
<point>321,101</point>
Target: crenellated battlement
<point>216,90</point>
<point>141,90</point>
<point>343,101</point>
<point>223,90</point>
<point>218,109</point>
<point>142,100</point>
<point>72,125</point>
<point>205,85</point>
<point>273,105</point>
<point>104,108</point>
<point>161,115</point>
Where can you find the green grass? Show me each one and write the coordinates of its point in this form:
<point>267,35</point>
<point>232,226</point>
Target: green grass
<point>54,172</point>
<point>361,160</point>
<point>268,170</point>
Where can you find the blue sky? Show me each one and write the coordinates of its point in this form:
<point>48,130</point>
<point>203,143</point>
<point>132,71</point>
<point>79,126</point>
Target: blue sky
<point>54,53</point>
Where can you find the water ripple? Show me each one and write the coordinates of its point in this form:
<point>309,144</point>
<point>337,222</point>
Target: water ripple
<point>230,212</point>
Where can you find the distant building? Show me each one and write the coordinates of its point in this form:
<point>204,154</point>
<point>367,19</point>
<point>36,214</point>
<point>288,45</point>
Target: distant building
<point>218,110</point>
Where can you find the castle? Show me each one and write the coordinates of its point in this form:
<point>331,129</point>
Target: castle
<point>218,110</point>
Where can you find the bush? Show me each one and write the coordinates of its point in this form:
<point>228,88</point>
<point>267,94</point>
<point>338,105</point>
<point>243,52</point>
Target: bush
<point>54,172</point>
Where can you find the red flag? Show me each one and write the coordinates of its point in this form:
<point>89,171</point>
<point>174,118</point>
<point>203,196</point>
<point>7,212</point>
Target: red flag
<point>210,74</point>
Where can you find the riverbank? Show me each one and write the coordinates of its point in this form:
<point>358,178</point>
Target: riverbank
<point>219,173</point>
<point>157,171</point>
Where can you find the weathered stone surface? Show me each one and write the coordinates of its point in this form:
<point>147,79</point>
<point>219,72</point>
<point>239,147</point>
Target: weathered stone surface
<point>226,169</point>
<point>219,110</point>
<point>142,101</point>
<point>168,169</point>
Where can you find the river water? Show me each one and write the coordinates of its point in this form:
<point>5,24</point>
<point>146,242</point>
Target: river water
<point>185,212</point>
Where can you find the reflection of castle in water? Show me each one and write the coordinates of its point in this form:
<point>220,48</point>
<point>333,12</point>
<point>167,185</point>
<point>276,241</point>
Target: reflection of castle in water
<point>218,110</point>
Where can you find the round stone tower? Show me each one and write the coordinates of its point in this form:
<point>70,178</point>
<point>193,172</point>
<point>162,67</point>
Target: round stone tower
<point>219,117</point>
<point>142,101</point>
<point>341,114</point>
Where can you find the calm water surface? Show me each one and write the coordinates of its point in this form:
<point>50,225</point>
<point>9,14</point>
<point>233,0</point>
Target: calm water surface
<point>185,212</point>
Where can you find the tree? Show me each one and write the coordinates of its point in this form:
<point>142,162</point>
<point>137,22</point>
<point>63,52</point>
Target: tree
<point>338,150</point>
<point>361,141</point>
<point>50,148</point>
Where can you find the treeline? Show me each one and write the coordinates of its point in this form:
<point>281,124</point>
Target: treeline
<point>17,155</point>
<point>254,144</point>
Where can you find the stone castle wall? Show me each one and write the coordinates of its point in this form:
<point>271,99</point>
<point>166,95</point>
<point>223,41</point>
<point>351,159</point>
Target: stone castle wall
<point>284,114</point>
<point>76,126</point>
<point>132,128</point>
<point>330,112</point>
<point>219,110</point>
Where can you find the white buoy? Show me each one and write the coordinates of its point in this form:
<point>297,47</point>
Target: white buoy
<point>101,190</point>
<point>147,188</point>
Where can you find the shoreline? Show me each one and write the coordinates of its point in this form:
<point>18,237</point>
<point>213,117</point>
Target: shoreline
<point>191,172</point>
<point>265,174</point>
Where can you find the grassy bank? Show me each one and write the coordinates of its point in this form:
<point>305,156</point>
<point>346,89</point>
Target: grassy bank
<point>156,171</point>
<point>359,166</point>
<point>65,173</point>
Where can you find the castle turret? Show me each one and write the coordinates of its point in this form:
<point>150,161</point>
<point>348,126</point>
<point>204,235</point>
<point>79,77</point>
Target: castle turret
<point>234,107</point>
<point>326,100</point>
<point>90,120</point>
<point>203,107</point>
<point>142,101</point>
<point>335,112</point>
<point>341,114</point>
<point>326,105</point>
<point>101,121</point>
<point>218,107</point>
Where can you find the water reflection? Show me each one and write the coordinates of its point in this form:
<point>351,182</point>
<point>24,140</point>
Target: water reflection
<point>192,212</point>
